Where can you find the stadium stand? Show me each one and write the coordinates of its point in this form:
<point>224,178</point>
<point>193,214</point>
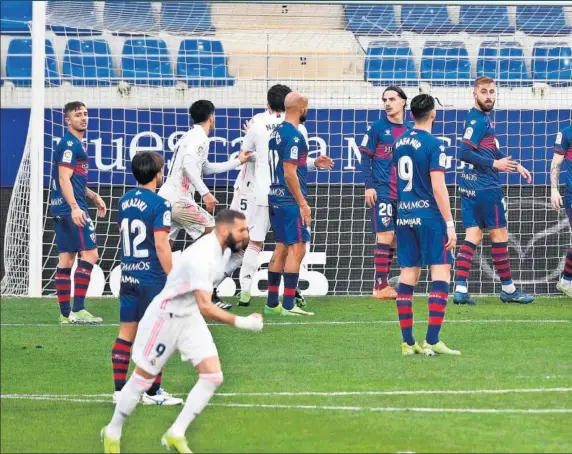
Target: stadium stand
<point>389,63</point>
<point>504,62</point>
<point>19,63</point>
<point>426,19</point>
<point>445,63</point>
<point>146,62</point>
<point>552,62</point>
<point>477,20</point>
<point>371,20</point>
<point>14,17</point>
<point>88,62</point>
<point>542,20</point>
<point>134,16</point>
<point>186,18</point>
<point>202,62</point>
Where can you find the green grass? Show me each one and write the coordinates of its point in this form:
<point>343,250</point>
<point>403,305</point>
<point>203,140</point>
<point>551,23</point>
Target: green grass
<point>359,357</point>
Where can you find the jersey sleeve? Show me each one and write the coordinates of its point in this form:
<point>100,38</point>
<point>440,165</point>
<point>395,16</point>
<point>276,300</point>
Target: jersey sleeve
<point>474,132</point>
<point>292,149</point>
<point>66,155</point>
<point>369,141</point>
<point>162,221</point>
<point>248,143</point>
<point>200,275</point>
<point>562,143</point>
<point>437,158</point>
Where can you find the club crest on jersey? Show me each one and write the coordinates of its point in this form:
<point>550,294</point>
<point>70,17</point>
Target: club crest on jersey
<point>67,157</point>
<point>468,133</point>
<point>385,221</point>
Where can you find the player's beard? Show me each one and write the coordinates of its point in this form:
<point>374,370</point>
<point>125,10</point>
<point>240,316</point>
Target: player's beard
<point>303,118</point>
<point>484,107</point>
<point>235,246</point>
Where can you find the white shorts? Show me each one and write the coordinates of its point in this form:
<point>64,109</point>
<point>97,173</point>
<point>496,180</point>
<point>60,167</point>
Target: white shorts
<point>159,335</point>
<point>260,224</point>
<point>191,217</point>
<point>245,203</point>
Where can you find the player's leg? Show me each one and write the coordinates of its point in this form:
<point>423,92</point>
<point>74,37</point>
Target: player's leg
<point>565,283</point>
<point>275,270</point>
<point>121,353</point>
<point>383,225</point>
<point>409,261</point>
<point>63,284</point>
<point>82,276</point>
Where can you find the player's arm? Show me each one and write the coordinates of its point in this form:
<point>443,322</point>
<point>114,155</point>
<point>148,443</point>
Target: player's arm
<point>441,193</point>
<point>367,149</point>
<point>161,228</point>
<point>321,162</point>
<point>291,178</point>
<point>561,145</point>
<point>192,167</point>
<point>64,179</point>
<point>220,167</point>
<point>97,200</point>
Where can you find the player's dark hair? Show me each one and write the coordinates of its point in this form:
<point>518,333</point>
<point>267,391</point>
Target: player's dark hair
<point>201,110</point>
<point>71,107</point>
<point>276,96</point>
<point>146,165</point>
<point>422,106</point>
<point>397,90</point>
<point>228,217</point>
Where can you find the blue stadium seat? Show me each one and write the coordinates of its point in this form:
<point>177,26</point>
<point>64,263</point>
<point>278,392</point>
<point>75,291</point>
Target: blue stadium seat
<point>371,20</point>
<point>13,17</point>
<point>485,20</point>
<point>88,62</point>
<point>146,62</point>
<point>426,19</point>
<point>186,17</point>
<point>504,62</point>
<point>203,62</point>
<point>552,62</point>
<point>390,63</point>
<point>542,20</point>
<point>19,63</point>
<point>85,23</point>
<point>445,63</point>
<point>134,17</point>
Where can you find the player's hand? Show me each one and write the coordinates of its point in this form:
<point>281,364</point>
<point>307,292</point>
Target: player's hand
<point>505,164</point>
<point>253,322</point>
<point>324,162</point>
<point>556,199</point>
<point>370,197</point>
<point>246,126</point>
<point>451,239</point>
<point>244,155</point>
<point>306,214</point>
<point>79,216</point>
<point>210,202</point>
<point>524,173</point>
<point>101,207</point>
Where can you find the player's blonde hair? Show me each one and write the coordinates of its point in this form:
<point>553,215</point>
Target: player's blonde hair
<point>483,80</point>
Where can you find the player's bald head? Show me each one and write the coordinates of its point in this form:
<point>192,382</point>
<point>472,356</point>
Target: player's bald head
<point>296,104</point>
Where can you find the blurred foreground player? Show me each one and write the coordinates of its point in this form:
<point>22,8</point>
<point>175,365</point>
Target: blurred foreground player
<point>174,322</point>
<point>290,214</point>
<point>74,229</point>
<point>482,199</point>
<point>380,184</point>
<point>144,221</point>
<point>563,153</point>
<point>425,227</point>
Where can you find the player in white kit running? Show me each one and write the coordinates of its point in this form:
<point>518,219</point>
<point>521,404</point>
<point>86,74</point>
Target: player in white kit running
<point>174,322</point>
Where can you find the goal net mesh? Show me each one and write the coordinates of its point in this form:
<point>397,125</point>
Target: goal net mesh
<point>138,66</point>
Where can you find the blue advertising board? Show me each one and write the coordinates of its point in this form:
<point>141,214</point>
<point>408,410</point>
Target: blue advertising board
<point>115,135</point>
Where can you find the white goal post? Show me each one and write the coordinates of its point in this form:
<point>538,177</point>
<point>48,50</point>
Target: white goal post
<point>318,48</point>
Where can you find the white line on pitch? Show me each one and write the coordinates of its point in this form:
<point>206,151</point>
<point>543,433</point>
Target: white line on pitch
<point>323,407</point>
<point>341,322</point>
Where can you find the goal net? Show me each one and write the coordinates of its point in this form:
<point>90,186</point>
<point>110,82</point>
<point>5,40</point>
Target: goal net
<point>138,66</point>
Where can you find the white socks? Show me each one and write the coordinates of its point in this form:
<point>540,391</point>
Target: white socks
<point>461,288</point>
<point>249,267</point>
<point>510,288</point>
<point>128,399</point>
<point>196,401</point>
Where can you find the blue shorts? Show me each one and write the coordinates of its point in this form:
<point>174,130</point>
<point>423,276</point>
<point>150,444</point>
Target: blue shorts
<point>486,210</point>
<point>287,224</point>
<point>423,244</point>
<point>71,238</point>
<point>135,298</point>
<point>383,216</point>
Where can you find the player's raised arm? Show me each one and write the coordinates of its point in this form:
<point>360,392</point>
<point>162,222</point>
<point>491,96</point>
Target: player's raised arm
<point>220,167</point>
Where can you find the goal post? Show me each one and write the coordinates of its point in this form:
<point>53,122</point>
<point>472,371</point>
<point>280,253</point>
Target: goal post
<point>138,66</point>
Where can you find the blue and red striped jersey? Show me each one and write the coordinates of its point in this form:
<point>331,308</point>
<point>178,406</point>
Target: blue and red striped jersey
<point>563,146</point>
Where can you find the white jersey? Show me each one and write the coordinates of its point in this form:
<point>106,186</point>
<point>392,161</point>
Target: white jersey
<point>191,155</point>
<point>256,139</point>
<point>197,269</point>
<point>245,183</point>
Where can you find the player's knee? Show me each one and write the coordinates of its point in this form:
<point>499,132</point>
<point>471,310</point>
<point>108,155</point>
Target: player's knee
<point>90,256</point>
<point>66,260</point>
<point>216,378</point>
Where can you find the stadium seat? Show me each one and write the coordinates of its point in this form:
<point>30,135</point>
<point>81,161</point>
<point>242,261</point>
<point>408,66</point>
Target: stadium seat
<point>371,20</point>
<point>485,20</point>
<point>86,22</point>
<point>552,62</point>
<point>445,63</point>
<point>202,62</point>
<point>390,63</point>
<point>146,62</point>
<point>19,63</point>
<point>504,62</point>
<point>14,17</point>
<point>426,19</point>
<point>133,17</point>
<point>88,62</point>
<point>542,20</point>
<point>186,17</point>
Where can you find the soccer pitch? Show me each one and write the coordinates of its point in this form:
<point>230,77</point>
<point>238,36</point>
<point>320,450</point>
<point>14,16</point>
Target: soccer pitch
<point>335,382</point>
